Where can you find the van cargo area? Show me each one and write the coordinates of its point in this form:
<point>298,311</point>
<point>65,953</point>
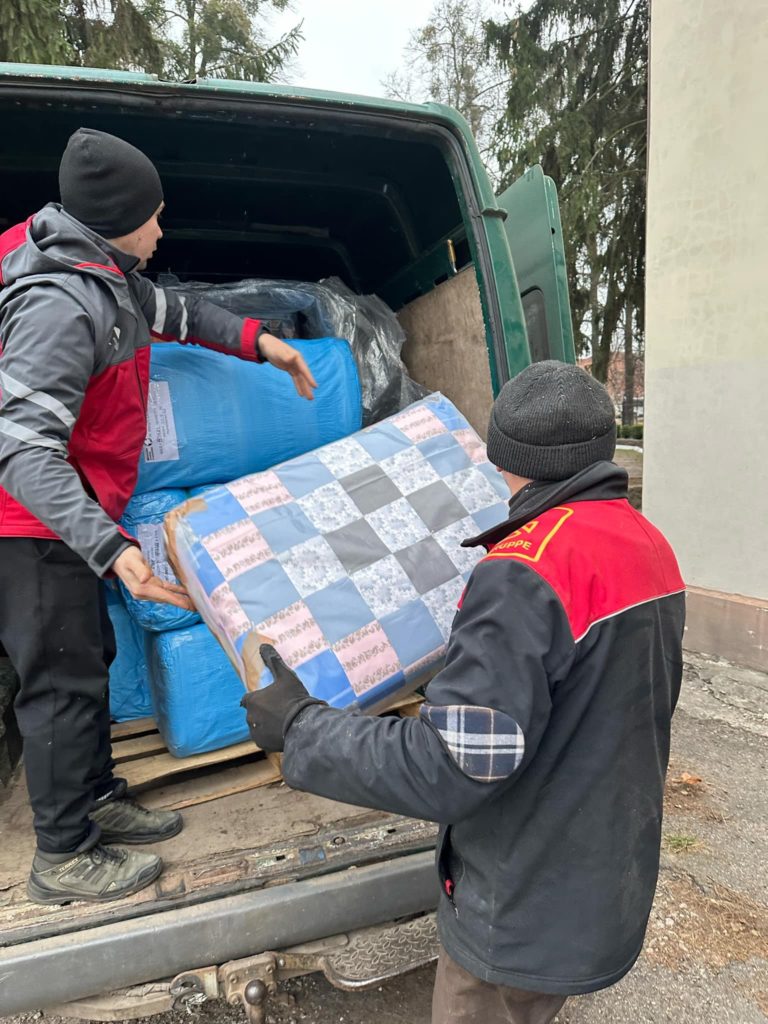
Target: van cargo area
<point>301,191</point>
<point>264,181</point>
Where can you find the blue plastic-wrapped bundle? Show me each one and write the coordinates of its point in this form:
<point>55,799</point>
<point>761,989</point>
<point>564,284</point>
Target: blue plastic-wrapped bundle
<point>196,692</point>
<point>143,519</point>
<point>214,417</point>
<point>129,694</point>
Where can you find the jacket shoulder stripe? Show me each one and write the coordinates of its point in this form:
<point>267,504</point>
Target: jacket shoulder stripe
<point>99,266</point>
<point>161,306</point>
<point>45,401</point>
<point>627,608</point>
<point>184,327</point>
<point>31,437</point>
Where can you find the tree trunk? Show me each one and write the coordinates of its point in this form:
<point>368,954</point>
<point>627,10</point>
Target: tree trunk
<point>594,298</point>
<point>628,406</point>
<point>191,40</point>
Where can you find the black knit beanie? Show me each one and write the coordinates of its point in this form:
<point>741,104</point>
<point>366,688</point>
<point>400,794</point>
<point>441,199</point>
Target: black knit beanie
<point>550,422</point>
<point>107,184</point>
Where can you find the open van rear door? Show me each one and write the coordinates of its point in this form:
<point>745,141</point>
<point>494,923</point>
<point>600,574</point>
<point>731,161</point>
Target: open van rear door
<point>535,238</point>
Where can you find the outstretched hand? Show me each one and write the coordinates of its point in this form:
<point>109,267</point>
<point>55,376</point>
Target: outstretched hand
<point>285,357</point>
<point>136,573</point>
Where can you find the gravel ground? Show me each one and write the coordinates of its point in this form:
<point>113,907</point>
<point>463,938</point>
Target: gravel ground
<point>706,955</point>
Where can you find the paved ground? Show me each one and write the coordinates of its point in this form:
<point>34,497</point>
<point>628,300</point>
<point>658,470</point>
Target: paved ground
<point>706,957</point>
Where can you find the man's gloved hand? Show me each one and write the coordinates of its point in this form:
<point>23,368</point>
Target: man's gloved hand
<point>270,711</point>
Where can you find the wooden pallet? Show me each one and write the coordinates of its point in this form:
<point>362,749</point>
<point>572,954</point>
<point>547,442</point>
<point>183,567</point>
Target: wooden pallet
<point>144,761</point>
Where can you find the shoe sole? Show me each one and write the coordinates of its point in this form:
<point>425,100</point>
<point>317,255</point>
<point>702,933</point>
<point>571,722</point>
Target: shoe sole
<point>45,897</point>
<point>112,838</point>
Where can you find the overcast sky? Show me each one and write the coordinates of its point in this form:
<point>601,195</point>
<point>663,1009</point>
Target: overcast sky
<point>351,45</point>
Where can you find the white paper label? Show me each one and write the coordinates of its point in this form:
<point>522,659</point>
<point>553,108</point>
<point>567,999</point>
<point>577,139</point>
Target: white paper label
<point>161,444</point>
<point>150,537</point>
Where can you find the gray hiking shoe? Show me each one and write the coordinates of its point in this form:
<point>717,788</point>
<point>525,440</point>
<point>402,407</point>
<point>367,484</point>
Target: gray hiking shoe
<point>96,875</point>
<point>122,820</point>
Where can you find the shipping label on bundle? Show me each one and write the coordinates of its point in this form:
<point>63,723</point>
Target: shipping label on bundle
<point>150,537</point>
<point>161,443</point>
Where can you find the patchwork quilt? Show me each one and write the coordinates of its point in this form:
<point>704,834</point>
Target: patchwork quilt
<point>348,558</point>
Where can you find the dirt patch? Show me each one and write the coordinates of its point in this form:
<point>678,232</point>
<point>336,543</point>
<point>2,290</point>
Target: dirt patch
<point>761,998</point>
<point>686,792</point>
<point>696,926</point>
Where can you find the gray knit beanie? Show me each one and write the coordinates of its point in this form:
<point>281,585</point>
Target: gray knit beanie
<point>551,421</point>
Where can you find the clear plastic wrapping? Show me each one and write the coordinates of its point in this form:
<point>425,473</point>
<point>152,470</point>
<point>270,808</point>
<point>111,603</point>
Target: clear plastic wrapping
<point>294,309</point>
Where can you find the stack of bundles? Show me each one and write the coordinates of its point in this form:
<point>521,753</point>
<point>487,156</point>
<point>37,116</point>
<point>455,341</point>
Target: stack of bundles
<point>211,417</point>
<point>195,692</point>
<point>348,559</point>
<point>129,695</point>
<point>295,309</point>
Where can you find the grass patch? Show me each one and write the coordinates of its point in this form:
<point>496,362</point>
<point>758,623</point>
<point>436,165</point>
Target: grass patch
<point>679,843</point>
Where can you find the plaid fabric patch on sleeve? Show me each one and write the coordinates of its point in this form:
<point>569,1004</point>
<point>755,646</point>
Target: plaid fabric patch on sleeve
<point>486,744</point>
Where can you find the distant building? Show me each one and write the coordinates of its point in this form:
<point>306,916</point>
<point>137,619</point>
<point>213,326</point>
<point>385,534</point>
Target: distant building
<point>615,384</point>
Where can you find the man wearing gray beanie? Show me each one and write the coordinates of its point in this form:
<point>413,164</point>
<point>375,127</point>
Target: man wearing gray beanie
<point>542,745</point>
<point>76,320</point>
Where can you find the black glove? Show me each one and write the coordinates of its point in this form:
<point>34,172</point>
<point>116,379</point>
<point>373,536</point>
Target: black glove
<point>270,711</point>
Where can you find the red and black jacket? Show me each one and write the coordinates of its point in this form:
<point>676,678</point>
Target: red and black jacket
<point>76,321</point>
<point>543,744</point>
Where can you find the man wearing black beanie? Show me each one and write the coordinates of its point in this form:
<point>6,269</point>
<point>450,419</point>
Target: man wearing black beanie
<point>76,320</point>
<point>542,745</point>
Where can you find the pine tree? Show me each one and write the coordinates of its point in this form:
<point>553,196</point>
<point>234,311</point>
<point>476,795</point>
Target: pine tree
<point>32,31</point>
<point>178,39</point>
<point>576,102</point>
<point>224,39</point>
<point>112,34</point>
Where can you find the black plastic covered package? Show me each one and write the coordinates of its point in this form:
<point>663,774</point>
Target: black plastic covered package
<point>298,309</point>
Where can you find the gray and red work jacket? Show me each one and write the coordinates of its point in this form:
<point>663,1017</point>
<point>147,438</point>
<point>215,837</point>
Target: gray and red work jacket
<point>76,321</point>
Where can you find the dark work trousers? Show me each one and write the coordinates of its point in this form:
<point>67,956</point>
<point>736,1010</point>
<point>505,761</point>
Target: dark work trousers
<point>56,631</point>
<point>461,998</point>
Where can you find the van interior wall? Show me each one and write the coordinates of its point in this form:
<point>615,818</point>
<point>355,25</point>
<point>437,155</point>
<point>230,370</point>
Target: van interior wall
<point>253,191</point>
<point>251,194</point>
<point>446,349</point>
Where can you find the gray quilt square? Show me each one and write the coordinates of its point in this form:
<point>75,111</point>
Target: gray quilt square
<point>426,565</point>
<point>357,545</point>
<point>370,488</point>
<point>437,506</point>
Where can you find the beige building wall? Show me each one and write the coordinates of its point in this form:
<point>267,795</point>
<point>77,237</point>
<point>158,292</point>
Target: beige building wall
<point>706,414</point>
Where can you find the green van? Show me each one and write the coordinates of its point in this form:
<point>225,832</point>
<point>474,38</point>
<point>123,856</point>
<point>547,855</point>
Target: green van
<point>280,182</point>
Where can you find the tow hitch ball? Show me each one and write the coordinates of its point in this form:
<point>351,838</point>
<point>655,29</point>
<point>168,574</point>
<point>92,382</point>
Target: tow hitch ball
<point>251,983</point>
<point>255,1000</point>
